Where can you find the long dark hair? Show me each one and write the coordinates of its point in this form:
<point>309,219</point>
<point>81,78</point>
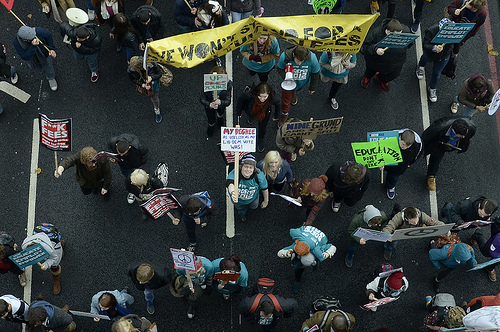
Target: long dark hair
<point>122,26</point>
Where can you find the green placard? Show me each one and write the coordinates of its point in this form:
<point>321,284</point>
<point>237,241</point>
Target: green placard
<point>377,153</point>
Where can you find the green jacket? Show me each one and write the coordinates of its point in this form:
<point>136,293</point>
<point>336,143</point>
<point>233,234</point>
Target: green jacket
<point>358,221</point>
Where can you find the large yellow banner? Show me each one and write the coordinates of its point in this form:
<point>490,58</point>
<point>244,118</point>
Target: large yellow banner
<point>343,33</point>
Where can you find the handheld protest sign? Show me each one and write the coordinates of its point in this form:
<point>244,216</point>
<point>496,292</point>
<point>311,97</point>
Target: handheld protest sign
<point>105,154</point>
<point>487,263</point>
<point>380,302</point>
<point>183,259</point>
<point>495,103</point>
<point>369,234</point>
<point>238,140</point>
<point>226,276</point>
<point>214,82</point>
<point>89,314</point>
<point>30,256</point>
<point>377,153</point>
<point>286,198</point>
<point>55,134</point>
<point>312,128</point>
<point>419,232</point>
<point>160,204</point>
<point>452,33</point>
<point>396,40</point>
<point>380,135</point>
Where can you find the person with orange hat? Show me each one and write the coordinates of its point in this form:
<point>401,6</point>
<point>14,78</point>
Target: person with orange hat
<point>390,286</point>
<point>311,245</point>
<point>312,194</point>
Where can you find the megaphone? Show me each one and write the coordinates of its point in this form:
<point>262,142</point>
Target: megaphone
<point>288,84</point>
<point>76,17</point>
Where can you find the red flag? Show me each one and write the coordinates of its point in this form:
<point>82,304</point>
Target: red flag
<point>8,4</point>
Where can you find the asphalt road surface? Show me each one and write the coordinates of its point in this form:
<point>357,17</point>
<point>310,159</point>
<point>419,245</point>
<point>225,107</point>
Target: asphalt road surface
<point>104,237</point>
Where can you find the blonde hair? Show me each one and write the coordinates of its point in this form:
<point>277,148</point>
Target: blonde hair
<point>145,272</point>
<point>317,198</point>
<point>136,63</point>
<point>87,154</point>
<point>125,325</point>
<point>270,157</point>
<point>139,178</point>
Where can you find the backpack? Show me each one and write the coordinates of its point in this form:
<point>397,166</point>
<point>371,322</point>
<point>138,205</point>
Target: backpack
<point>208,202</point>
<point>265,286</point>
<point>442,302</point>
<point>166,75</point>
<point>454,317</point>
<point>327,316</point>
<point>50,230</point>
<point>161,172</point>
<point>7,240</point>
<point>325,303</point>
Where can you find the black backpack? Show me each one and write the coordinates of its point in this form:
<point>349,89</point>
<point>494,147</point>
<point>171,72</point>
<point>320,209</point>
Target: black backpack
<point>326,303</point>
<point>265,286</point>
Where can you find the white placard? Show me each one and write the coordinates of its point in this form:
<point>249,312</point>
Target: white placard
<point>183,259</point>
<point>368,234</point>
<point>238,139</point>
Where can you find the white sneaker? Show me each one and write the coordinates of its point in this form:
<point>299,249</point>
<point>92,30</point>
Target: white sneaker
<point>53,85</point>
<point>130,198</point>
<point>454,107</point>
<point>22,279</point>
<point>334,104</point>
<point>433,95</point>
<point>14,79</point>
<point>91,14</point>
<point>335,206</point>
<point>420,72</point>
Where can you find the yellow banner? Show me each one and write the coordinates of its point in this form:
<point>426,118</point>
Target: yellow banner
<point>343,33</point>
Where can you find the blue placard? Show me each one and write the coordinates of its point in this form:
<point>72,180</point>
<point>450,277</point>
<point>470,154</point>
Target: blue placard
<point>30,256</point>
<point>452,33</point>
<point>480,266</point>
<point>379,135</point>
<point>397,40</point>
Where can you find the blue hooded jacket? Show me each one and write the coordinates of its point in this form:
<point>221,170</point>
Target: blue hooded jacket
<point>315,239</point>
<point>461,253</point>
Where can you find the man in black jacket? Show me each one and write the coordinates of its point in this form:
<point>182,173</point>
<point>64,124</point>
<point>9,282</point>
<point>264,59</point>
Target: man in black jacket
<point>132,153</point>
<point>470,209</point>
<point>146,278</point>
<point>267,314</point>
<point>146,20</point>
<point>445,135</point>
<point>86,43</point>
<point>386,64</point>
<point>410,144</point>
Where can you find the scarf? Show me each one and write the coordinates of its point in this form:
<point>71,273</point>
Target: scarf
<point>261,110</point>
<point>109,3</point>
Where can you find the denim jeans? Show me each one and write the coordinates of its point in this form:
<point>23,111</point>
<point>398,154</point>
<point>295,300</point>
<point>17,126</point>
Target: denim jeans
<point>437,68</point>
<point>243,209</point>
<point>391,179</point>
<point>390,246</point>
<point>149,295</point>
<point>235,16</point>
<point>48,69</point>
<point>91,60</point>
<point>468,111</point>
<point>89,5</point>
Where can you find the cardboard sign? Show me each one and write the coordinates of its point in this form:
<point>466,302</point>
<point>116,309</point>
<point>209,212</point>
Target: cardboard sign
<point>495,103</point>
<point>30,256</point>
<point>377,153</point>
<point>160,204</point>
<point>418,232</point>
<point>238,139</point>
<point>311,129</point>
<point>452,33</point>
<point>214,82</point>
<point>183,259</point>
<point>487,263</point>
<point>380,302</point>
<point>397,40</point>
<point>368,234</point>
<point>476,223</point>
<point>55,134</point>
